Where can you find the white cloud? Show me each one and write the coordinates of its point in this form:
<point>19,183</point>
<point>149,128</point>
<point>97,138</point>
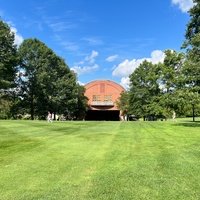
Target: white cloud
<point>84,69</point>
<point>18,38</point>
<point>125,68</point>
<point>80,83</point>
<point>184,5</point>
<point>111,58</point>
<point>91,57</point>
<point>87,65</point>
<point>156,57</point>
<point>125,82</point>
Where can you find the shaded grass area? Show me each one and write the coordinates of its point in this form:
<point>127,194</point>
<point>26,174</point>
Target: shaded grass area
<point>99,160</point>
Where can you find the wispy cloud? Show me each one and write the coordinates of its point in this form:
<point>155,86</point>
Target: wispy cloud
<point>112,58</point>
<point>63,22</point>
<point>84,69</point>
<point>134,45</point>
<point>91,57</point>
<point>184,5</point>
<point>88,59</point>
<point>87,65</point>
<point>66,45</point>
<point>61,26</point>
<point>70,46</point>
<point>93,41</point>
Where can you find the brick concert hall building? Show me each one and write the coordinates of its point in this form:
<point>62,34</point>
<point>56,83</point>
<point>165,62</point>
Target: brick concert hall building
<point>102,96</point>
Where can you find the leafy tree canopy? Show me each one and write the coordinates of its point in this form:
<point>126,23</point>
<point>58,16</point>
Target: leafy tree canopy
<point>8,56</point>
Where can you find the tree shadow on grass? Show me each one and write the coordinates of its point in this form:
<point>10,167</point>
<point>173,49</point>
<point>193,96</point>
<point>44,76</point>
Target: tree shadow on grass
<point>188,124</point>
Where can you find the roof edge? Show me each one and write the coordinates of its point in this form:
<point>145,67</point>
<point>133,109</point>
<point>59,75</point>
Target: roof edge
<point>102,80</point>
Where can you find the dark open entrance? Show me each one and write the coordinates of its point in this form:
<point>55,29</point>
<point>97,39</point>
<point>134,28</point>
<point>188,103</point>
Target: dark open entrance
<point>102,115</point>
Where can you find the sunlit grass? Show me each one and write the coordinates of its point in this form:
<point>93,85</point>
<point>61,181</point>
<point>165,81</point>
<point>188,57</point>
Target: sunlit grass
<point>99,160</point>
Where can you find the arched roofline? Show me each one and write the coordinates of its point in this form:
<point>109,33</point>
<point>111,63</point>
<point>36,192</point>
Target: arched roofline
<point>88,85</point>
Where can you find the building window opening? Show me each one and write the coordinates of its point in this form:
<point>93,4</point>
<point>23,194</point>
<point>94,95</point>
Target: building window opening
<point>107,98</point>
<point>96,98</point>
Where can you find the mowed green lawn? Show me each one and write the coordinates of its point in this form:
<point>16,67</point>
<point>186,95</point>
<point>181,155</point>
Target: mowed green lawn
<point>99,160</point>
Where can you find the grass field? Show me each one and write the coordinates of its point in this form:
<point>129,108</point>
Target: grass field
<point>99,160</point>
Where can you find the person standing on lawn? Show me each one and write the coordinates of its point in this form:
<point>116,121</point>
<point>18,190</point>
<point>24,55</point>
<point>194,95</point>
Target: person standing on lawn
<point>49,117</point>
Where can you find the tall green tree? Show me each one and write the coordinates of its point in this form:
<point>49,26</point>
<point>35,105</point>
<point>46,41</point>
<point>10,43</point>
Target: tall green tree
<point>189,102</point>
<point>193,27</point>
<point>144,90</point>
<point>33,56</point>
<point>170,80</point>
<point>8,57</point>
<point>8,64</point>
<point>47,84</point>
<point>170,71</point>
<point>154,86</point>
<point>191,69</point>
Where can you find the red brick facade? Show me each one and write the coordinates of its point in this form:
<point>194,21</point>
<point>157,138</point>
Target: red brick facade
<point>103,94</point>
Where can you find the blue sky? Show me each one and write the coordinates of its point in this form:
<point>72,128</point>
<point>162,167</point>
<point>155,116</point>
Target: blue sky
<point>101,39</point>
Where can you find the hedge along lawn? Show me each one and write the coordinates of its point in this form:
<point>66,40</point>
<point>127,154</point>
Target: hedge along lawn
<point>99,160</point>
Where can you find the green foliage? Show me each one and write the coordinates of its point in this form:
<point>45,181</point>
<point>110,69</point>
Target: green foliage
<point>8,57</point>
<point>5,108</point>
<point>190,100</point>
<point>170,71</point>
<point>157,90</point>
<point>47,83</point>
<point>170,82</point>
<point>81,103</point>
<point>193,27</point>
<point>191,69</point>
<point>34,56</point>
<point>8,64</point>
<point>123,102</point>
<point>144,88</point>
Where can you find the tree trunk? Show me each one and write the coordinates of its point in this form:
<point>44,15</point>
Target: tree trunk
<point>32,108</point>
<point>193,117</point>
